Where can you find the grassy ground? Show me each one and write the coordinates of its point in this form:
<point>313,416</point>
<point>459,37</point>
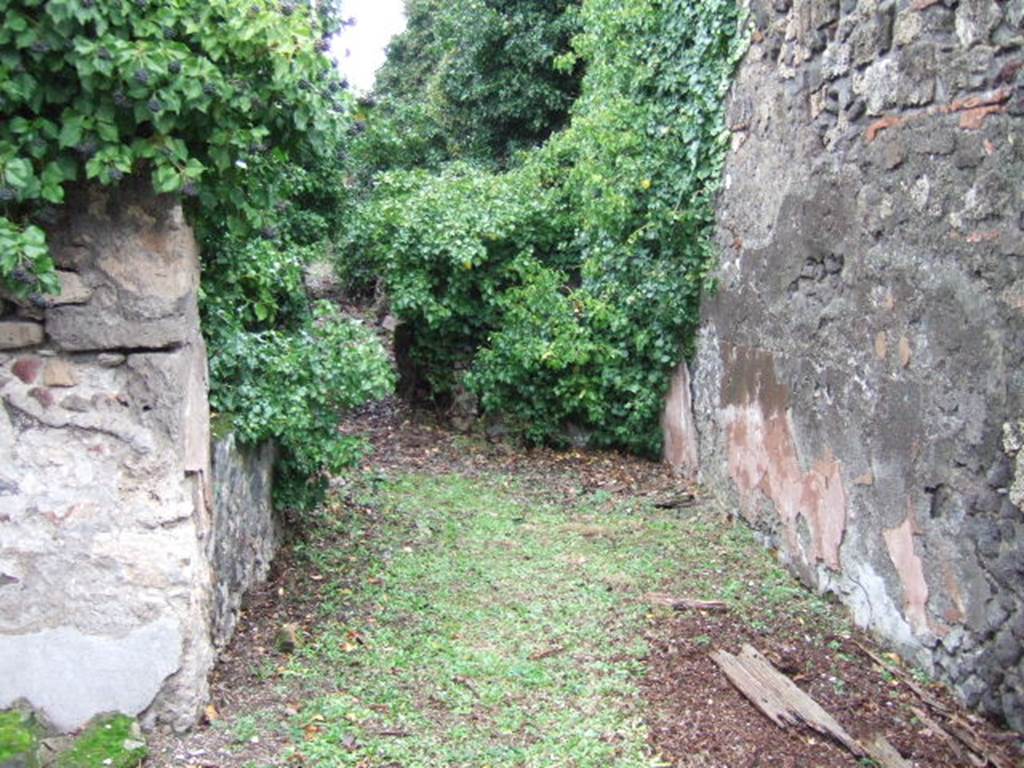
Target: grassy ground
<point>471,622</point>
<point>495,629</point>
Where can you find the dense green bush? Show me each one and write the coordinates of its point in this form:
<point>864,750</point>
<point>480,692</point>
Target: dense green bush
<point>233,104</point>
<point>570,282</point>
<point>448,244</point>
<point>280,368</point>
<point>185,91</point>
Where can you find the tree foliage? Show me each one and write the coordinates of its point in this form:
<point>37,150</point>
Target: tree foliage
<point>185,91</point>
<point>476,76</point>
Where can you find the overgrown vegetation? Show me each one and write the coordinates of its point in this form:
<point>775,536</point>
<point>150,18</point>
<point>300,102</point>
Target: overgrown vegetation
<point>568,283</point>
<point>477,77</point>
<point>533,182</point>
<point>109,742</point>
<point>235,105</point>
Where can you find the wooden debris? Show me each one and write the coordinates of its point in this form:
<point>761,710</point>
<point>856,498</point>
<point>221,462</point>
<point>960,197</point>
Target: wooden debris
<point>782,702</point>
<point>778,697</point>
<point>686,603</point>
<point>957,733</point>
<point>941,733</point>
<point>967,736</point>
<point>675,502</point>
<point>545,654</point>
<point>921,693</point>
<point>884,753</point>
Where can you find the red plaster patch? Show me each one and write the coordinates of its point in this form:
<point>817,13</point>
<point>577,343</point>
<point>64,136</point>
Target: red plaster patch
<point>900,543</point>
<point>974,119</point>
<point>43,395</point>
<point>883,124</point>
<point>763,459</point>
<point>27,368</point>
<point>677,423</point>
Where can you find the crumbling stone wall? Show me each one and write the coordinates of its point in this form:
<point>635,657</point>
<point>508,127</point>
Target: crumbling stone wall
<point>109,549</point>
<point>859,384</point>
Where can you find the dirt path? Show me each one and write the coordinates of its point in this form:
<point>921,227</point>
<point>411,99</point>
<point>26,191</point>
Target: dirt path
<point>460,604</point>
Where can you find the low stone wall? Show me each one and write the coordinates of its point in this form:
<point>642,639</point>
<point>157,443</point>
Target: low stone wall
<point>116,572</point>
<point>246,532</point>
<point>859,385</point>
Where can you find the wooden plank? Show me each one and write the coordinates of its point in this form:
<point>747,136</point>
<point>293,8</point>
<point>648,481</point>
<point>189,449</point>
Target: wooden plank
<point>885,754</point>
<point>806,709</point>
<point>765,699</point>
<point>686,603</point>
<point>785,704</point>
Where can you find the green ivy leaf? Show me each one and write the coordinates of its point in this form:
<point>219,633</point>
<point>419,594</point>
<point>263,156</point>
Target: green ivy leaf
<point>18,173</point>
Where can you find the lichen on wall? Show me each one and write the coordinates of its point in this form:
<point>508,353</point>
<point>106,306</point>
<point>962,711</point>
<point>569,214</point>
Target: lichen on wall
<point>860,371</point>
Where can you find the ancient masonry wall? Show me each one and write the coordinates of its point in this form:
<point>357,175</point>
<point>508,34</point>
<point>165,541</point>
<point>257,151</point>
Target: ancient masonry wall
<point>859,386</point>
<point>123,553</point>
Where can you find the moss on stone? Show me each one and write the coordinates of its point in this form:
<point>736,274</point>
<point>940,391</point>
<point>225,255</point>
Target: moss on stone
<point>109,742</point>
<point>19,738</point>
<point>221,426</point>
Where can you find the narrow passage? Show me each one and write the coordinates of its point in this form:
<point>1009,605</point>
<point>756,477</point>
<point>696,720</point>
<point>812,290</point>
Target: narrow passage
<point>460,604</point>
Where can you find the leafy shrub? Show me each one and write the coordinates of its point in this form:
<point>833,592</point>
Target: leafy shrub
<point>291,386</point>
<point>186,91</point>
<point>476,78</point>
<point>447,244</point>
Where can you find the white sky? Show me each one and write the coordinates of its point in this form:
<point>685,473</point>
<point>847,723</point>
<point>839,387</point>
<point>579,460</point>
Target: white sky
<point>377,21</point>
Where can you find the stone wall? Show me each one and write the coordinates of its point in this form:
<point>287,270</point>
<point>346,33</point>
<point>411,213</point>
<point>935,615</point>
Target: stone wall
<point>246,532</point>
<point>111,572</point>
<point>859,385</point>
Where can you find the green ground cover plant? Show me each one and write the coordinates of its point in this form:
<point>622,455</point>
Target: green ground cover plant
<point>110,742</point>
<point>471,621</point>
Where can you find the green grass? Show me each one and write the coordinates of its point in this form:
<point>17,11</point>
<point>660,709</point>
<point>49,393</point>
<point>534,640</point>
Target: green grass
<point>496,629</point>
<point>113,742</point>
<point>18,737</point>
<point>483,623</point>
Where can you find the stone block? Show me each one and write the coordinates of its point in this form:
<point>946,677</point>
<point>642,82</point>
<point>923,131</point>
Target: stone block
<point>879,86</point>
<point>80,329</point>
<point>110,673</point>
<point>72,290</point>
<point>59,373</point>
<point>976,20</point>
<point>17,334</point>
<point>27,368</point>
<point>872,36</point>
<point>916,86</point>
